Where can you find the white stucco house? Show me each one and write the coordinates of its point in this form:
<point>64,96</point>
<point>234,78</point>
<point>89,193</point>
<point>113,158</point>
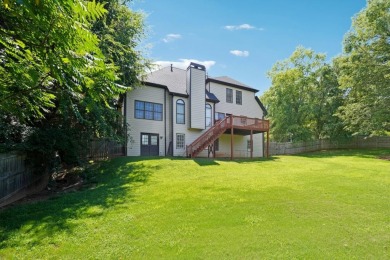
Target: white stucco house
<point>185,113</point>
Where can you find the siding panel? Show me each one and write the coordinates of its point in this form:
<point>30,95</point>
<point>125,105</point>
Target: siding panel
<point>197,98</point>
<point>136,126</point>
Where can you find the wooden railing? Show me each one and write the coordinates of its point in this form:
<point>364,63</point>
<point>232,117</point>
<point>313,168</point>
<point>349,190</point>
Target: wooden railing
<point>237,122</point>
<point>208,137</point>
<point>249,123</point>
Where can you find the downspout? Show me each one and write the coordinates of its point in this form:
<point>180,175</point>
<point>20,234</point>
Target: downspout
<point>172,124</point>
<point>165,122</point>
<point>213,114</point>
<point>263,138</point>
<point>125,122</point>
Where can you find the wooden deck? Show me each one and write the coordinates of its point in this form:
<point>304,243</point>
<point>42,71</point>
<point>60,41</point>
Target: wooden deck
<point>232,125</point>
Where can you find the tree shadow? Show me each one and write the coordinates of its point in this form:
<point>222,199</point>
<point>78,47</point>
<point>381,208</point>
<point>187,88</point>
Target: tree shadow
<point>108,185</point>
<point>205,161</point>
<point>214,161</point>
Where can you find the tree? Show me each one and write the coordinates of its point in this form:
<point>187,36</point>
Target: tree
<point>45,50</point>
<point>65,64</point>
<point>364,71</point>
<point>303,97</point>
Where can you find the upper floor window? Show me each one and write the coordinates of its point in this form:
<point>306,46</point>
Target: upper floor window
<point>180,111</point>
<point>238,97</point>
<point>208,115</point>
<point>148,110</point>
<point>229,95</point>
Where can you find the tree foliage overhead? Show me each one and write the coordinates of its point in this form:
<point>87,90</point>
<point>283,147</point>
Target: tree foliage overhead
<point>364,70</point>
<point>47,50</point>
<point>64,65</point>
<point>303,97</point>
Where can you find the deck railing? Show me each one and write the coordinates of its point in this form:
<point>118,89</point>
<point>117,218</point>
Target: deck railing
<point>238,122</point>
<point>208,137</point>
<point>249,123</point>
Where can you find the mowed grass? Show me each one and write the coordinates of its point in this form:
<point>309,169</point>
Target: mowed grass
<point>323,205</point>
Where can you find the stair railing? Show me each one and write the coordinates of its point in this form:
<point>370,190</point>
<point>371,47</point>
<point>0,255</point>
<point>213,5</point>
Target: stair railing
<point>208,137</point>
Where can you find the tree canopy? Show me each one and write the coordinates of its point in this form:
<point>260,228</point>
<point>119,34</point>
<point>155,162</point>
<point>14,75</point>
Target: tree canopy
<point>364,71</point>
<point>310,98</point>
<point>64,66</point>
<point>303,97</point>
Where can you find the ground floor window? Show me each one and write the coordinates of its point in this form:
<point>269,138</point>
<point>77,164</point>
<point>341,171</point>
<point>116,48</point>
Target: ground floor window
<point>249,146</point>
<point>219,116</point>
<point>180,141</point>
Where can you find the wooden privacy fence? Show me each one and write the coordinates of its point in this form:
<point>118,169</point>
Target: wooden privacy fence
<point>326,144</point>
<point>104,149</point>
<point>15,175</point>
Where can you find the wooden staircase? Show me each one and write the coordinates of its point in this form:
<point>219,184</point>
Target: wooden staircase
<point>208,137</point>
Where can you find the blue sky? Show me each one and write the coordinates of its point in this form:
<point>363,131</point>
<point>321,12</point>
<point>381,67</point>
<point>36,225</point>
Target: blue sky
<point>243,39</point>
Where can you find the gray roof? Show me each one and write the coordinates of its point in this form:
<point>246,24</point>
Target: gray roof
<point>174,80</point>
<point>231,82</point>
<point>210,96</point>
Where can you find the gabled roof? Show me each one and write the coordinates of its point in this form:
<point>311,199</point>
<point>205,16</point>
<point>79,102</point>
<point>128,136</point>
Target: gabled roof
<point>225,80</point>
<point>174,80</point>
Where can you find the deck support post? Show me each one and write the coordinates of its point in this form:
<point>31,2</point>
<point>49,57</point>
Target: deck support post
<point>251,146</point>
<point>267,143</point>
<point>231,138</point>
<point>214,149</point>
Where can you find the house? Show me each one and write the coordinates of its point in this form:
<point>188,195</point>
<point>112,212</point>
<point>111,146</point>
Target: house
<point>185,113</point>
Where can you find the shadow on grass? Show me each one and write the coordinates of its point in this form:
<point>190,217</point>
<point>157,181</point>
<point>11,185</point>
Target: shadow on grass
<point>362,153</point>
<point>214,161</point>
<point>205,161</point>
<point>107,186</point>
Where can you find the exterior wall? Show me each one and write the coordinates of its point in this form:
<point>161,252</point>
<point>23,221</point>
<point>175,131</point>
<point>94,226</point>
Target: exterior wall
<point>168,128</point>
<point>190,134</point>
<point>249,108</point>
<point>180,128</point>
<point>197,98</point>
<point>138,126</point>
<point>240,146</point>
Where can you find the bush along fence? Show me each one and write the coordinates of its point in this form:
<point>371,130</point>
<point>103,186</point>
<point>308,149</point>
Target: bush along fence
<point>18,180</point>
<point>356,142</point>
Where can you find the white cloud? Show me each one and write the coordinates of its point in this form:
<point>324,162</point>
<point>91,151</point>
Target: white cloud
<point>171,37</point>
<point>240,53</point>
<point>244,26</point>
<point>183,63</point>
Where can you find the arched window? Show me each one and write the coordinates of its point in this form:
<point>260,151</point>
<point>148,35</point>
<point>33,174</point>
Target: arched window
<point>180,112</point>
<point>208,115</point>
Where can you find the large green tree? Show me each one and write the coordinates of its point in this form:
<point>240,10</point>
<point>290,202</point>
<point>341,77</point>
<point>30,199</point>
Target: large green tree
<point>65,64</point>
<point>303,97</point>
<point>46,50</point>
<point>364,71</point>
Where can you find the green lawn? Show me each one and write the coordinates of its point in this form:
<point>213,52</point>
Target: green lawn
<point>320,205</point>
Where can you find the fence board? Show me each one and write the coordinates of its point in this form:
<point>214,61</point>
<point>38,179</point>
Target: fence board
<point>277,148</point>
<point>14,174</point>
